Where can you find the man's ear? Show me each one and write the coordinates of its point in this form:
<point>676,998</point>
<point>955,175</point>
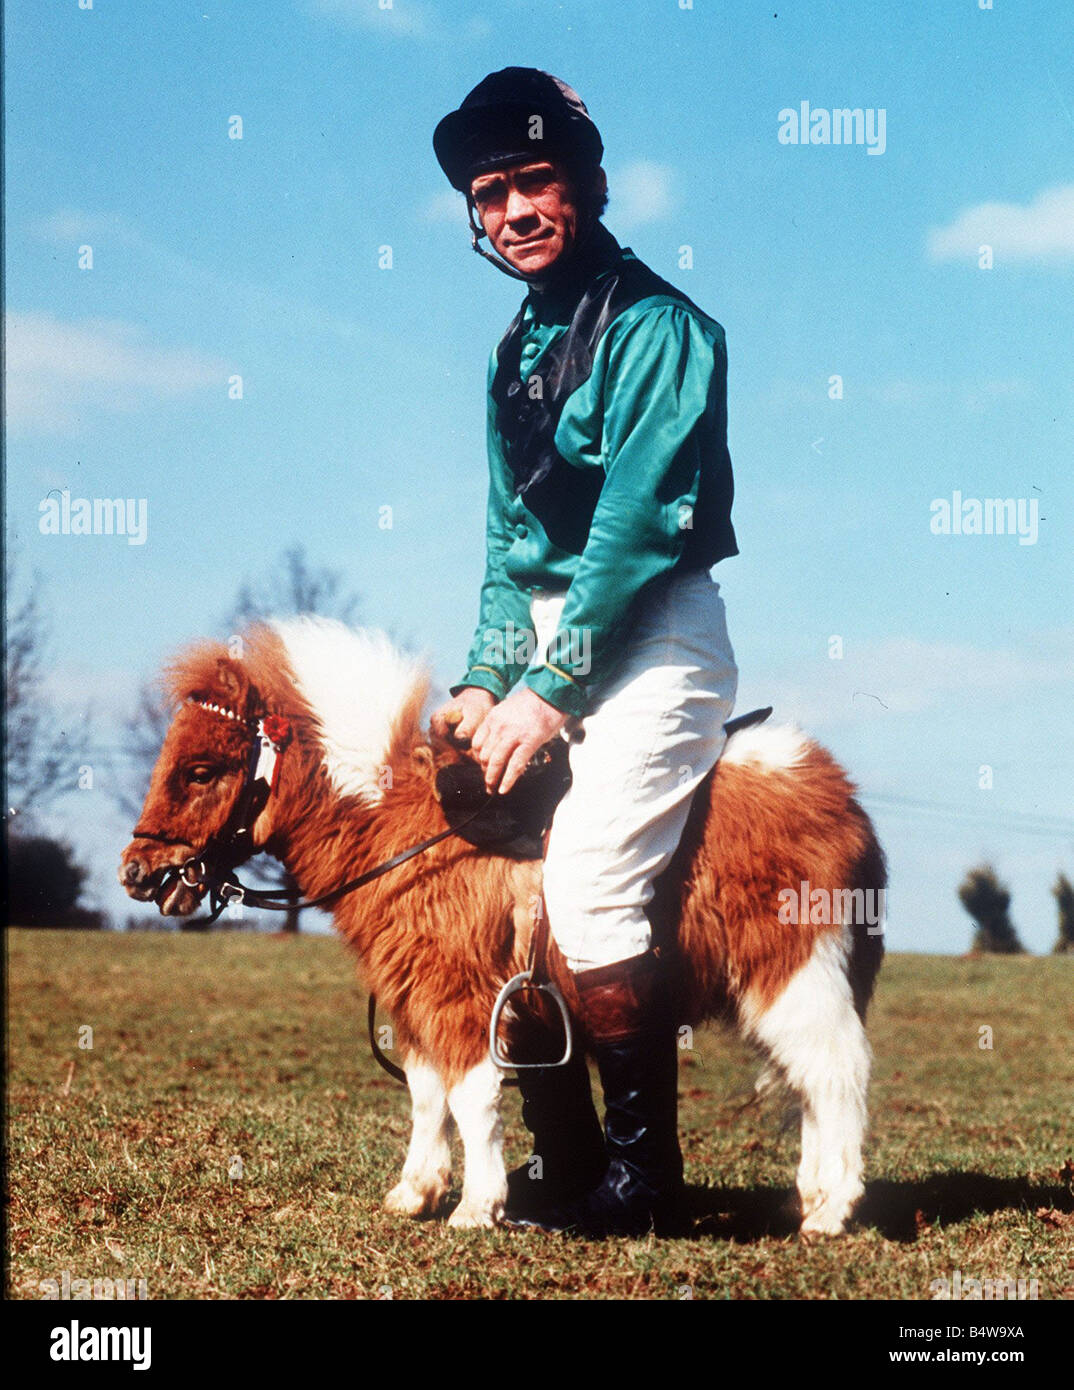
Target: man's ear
<point>600,192</point>
<point>473,217</point>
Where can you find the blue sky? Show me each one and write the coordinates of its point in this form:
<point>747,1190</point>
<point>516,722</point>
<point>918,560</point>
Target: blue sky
<point>363,385</point>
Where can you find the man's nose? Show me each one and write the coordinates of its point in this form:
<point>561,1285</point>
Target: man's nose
<point>518,206</point>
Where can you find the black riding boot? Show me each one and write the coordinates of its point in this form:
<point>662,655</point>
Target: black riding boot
<point>557,1109</point>
<point>629,1017</point>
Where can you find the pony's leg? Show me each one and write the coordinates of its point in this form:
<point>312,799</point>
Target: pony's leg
<point>427,1169</point>
<point>475,1104</point>
<point>813,1033</point>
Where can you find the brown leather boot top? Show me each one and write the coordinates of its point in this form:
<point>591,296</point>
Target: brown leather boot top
<point>618,1000</point>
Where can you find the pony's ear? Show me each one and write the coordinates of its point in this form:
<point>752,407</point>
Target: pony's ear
<point>207,672</point>
<point>231,684</point>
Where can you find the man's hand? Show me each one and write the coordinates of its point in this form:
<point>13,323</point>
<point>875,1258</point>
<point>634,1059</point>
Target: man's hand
<point>511,733</point>
<point>460,717</point>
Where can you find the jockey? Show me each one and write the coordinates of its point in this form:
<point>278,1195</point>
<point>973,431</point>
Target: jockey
<point>609,501</point>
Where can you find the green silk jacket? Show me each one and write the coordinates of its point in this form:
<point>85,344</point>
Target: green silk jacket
<point>652,416</point>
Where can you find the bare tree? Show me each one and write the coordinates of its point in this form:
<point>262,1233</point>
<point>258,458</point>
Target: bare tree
<point>43,750</point>
<point>142,737</point>
<point>293,586</point>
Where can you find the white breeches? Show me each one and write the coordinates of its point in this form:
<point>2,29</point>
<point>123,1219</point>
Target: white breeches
<point>653,735</point>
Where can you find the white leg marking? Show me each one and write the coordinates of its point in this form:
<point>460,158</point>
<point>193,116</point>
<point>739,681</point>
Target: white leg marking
<point>475,1104</point>
<point>816,1038</point>
<point>427,1170</point>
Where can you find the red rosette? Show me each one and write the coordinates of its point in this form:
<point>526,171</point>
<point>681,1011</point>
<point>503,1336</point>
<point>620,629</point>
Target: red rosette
<point>277,728</point>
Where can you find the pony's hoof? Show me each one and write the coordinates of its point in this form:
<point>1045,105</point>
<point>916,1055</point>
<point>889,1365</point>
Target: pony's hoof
<point>826,1214</point>
<point>406,1200</point>
<point>469,1216</point>
<point>824,1222</point>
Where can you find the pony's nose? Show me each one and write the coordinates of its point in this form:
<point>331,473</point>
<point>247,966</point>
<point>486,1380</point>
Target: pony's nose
<point>131,873</point>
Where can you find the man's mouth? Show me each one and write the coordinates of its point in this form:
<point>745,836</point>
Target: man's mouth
<point>530,241</point>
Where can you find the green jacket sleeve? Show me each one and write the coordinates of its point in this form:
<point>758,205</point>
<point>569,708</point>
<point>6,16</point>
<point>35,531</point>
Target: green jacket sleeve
<point>659,369</point>
<point>492,662</point>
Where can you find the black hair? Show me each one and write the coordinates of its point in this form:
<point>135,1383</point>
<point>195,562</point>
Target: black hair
<point>590,191</point>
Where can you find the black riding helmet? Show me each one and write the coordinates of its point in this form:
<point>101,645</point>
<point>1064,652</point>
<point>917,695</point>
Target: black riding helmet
<point>497,124</point>
<point>512,115</point>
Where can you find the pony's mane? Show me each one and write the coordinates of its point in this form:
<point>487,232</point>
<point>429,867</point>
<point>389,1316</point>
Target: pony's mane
<point>362,695</point>
<point>366,697</point>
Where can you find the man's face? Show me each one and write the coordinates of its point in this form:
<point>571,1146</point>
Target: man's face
<point>529,213</point>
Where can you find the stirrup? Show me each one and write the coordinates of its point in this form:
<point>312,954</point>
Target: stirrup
<point>519,982</point>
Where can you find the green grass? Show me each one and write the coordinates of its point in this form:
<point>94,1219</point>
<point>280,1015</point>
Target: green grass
<point>207,1047</point>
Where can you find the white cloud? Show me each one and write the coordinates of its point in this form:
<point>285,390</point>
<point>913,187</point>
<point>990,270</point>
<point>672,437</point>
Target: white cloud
<point>906,391</point>
<point>997,391</point>
<point>401,18</point>
<point>903,393</point>
<point>1040,230</point>
<point>70,227</point>
<point>905,676</point>
<point>973,395</point>
<point>447,205</point>
<point>640,192</point>
<point>57,369</point>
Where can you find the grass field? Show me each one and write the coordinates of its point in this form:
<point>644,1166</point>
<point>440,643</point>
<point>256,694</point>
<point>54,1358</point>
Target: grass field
<point>207,1048</point>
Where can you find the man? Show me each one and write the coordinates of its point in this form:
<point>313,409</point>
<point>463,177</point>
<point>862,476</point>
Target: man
<point>609,500</point>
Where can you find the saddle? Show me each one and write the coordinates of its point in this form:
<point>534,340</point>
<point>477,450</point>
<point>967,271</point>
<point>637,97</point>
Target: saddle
<point>515,824</point>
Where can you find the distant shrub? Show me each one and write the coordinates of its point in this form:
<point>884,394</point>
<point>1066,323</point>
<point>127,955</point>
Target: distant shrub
<point>988,903</point>
<point>44,885</point>
<point>1063,893</point>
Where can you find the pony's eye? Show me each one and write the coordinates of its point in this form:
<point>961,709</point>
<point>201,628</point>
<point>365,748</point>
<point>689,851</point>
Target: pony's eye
<point>201,773</point>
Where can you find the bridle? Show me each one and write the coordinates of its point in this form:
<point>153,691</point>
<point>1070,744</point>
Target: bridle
<point>233,844</point>
<point>213,868</point>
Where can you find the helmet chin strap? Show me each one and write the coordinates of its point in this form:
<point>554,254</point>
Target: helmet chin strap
<point>478,233</point>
